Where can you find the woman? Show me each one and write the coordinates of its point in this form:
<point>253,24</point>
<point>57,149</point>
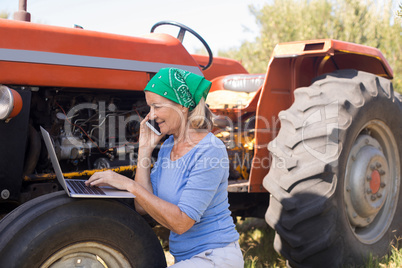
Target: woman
<point>186,191</point>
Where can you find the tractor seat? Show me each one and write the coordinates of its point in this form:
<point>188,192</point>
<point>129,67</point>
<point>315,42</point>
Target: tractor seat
<point>238,82</point>
<point>234,91</point>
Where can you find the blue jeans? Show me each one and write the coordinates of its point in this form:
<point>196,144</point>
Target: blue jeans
<point>226,257</point>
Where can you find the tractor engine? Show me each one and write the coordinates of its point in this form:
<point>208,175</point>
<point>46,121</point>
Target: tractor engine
<point>89,131</point>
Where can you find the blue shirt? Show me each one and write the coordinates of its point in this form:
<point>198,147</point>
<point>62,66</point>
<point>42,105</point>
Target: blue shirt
<point>197,183</point>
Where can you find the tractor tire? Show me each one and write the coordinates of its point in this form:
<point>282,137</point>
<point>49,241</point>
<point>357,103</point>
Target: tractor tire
<point>55,231</point>
<point>334,181</point>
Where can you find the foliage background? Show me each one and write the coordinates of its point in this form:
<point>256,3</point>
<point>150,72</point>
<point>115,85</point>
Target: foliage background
<point>367,22</point>
<point>4,15</point>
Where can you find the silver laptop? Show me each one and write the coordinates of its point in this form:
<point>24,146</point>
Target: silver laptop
<point>77,188</point>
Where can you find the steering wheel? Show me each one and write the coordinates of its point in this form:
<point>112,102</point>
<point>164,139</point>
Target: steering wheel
<point>180,36</point>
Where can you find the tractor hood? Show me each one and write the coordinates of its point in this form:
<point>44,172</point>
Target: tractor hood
<point>42,55</point>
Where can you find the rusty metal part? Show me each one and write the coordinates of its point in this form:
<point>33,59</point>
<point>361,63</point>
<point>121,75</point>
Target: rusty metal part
<point>22,13</point>
<point>126,170</point>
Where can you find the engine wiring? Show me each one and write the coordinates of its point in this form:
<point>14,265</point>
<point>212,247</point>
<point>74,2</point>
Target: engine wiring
<point>89,136</point>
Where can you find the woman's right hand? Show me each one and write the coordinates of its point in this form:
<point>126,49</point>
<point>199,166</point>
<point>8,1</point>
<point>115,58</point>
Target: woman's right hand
<point>148,139</point>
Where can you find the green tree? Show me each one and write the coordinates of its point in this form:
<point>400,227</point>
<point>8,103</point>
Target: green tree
<point>4,15</point>
<point>363,22</point>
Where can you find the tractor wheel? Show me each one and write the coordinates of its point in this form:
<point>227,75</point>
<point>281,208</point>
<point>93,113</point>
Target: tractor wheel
<point>335,176</point>
<point>57,231</point>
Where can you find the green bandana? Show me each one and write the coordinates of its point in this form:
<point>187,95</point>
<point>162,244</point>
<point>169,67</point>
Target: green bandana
<point>180,86</point>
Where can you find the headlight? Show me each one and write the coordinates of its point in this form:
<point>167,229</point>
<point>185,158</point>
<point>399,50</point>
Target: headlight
<point>10,103</point>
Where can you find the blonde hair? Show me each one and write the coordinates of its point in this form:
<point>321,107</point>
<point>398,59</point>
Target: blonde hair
<point>200,117</point>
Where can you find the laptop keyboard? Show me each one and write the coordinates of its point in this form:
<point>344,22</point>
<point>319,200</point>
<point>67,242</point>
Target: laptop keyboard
<point>80,188</point>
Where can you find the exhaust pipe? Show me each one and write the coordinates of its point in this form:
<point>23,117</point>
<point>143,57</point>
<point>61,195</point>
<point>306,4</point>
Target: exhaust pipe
<point>22,13</point>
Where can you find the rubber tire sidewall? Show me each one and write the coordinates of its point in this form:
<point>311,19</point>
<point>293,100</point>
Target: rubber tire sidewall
<point>35,231</point>
<point>383,109</point>
<point>307,207</point>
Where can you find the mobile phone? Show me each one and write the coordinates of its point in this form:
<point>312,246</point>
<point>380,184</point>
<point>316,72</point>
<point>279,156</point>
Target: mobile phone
<point>154,127</point>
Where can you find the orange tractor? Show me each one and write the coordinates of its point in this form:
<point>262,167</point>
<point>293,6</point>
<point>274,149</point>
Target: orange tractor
<point>313,144</point>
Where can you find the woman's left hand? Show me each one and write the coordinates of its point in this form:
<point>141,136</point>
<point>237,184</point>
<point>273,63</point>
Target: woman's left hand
<point>109,178</point>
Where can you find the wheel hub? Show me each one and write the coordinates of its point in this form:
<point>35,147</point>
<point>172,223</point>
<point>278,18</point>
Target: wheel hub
<point>86,254</point>
<point>375,181</point>
<point>366,189</point>
<point>372,182</point>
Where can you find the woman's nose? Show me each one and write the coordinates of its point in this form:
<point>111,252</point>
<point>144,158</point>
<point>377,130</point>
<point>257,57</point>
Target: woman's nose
<point>151,114</point>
